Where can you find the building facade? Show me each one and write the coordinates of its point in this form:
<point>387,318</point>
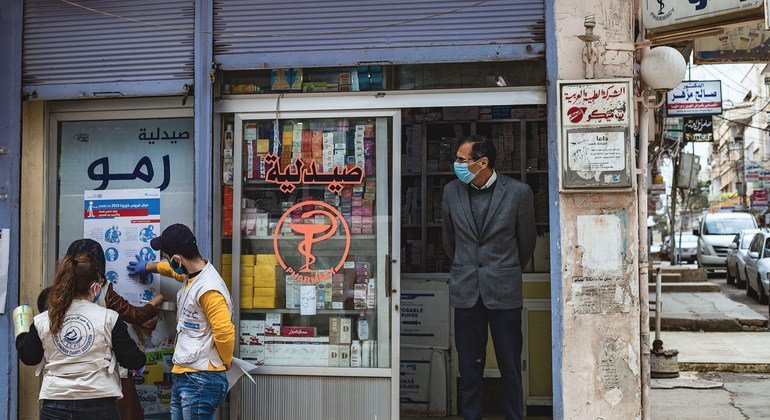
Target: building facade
<point>394,87</point>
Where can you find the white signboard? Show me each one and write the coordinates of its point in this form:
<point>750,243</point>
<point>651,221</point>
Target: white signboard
<point>595,104</point>
<point>596,126</point>
<point>124,222</point>
<point>125,154</point>
<point>695,98</point>
<point>673,15</point>
<point>743,44</point>
<point>591,153</point>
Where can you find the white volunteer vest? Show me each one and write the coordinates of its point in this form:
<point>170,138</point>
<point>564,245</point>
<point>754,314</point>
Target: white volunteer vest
<point>78,361</point>
<point>195,347</point>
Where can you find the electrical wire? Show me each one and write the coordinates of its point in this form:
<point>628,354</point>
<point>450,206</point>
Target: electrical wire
<point>268,35</point>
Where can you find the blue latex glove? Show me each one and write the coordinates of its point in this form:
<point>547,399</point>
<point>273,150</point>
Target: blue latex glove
<point>138,372</point>
<point>138,267</point>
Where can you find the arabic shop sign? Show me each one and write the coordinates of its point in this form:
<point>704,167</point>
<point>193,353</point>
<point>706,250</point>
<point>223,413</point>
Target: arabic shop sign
<point>695,98</point>
<point>671,16</point>
<point>595,120</point>
<point>125,154</point>
<point>308,173</point>
<point>311,222</point>
<point>595,104</point>
<point>698,129</point>
<point>755,172</point>
<point>744,44</point>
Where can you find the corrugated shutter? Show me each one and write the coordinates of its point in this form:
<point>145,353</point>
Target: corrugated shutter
<point>118,48</point>
<point>306,33</point>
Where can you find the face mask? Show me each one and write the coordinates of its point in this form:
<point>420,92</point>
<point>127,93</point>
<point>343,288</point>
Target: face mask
<point>463,172</point>
<point>178,268</point>
<point>97,294</point>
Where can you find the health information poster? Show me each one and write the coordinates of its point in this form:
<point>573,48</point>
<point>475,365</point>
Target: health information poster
<point>124,222</point>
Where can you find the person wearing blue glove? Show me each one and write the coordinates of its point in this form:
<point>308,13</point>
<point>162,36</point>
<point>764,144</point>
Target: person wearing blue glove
<point>139,268</point>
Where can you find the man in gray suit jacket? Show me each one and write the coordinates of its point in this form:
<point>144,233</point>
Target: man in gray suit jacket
<point>489,233</point>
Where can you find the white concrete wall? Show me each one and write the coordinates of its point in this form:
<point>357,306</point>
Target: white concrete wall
<point>600,352</point>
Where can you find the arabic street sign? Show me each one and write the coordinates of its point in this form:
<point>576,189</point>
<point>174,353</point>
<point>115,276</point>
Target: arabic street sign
<point>695,98</point>
<point>744,44</point>
<point>671,16</point>
<point>698,129</point>
<point>756,173</point>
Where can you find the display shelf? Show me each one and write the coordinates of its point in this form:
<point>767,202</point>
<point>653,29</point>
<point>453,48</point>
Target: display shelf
<point>526,139</point>
<point>296,311</point>
<point>292,238</point>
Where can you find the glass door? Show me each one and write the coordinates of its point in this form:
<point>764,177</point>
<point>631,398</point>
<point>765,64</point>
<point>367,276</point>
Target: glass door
<point>307,243</point>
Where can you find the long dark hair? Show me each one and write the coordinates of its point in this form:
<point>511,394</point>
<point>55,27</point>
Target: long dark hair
<point>74,276</point>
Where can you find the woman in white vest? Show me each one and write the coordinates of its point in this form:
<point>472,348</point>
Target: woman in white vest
<point>80,344</point>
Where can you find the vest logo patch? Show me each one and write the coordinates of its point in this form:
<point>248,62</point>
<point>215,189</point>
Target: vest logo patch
<point>76,336</point>
<point>192,325</point>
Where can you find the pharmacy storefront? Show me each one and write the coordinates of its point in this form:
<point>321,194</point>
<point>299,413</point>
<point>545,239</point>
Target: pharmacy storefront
<point>330,161</point>
<point>311,159</point>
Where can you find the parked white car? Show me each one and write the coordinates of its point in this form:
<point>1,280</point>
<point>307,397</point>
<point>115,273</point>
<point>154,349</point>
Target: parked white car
<point>715,233</point>
<point>758,267</point>
<point>736,257</point>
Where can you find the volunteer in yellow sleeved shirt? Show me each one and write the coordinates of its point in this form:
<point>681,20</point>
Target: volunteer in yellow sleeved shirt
<point>205,332</point>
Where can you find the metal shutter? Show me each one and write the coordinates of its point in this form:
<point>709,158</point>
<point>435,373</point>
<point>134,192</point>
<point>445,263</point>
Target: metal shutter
<point>72,52</point>
<point>306,33</point>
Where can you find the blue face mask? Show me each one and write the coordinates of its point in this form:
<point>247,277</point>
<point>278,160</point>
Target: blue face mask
<point>177,268</point>
<point>96,295</point>
<point>463,172</point>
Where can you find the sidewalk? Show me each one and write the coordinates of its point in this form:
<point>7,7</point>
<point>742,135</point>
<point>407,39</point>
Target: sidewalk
<point>715,351</point>
<point>706,312</point>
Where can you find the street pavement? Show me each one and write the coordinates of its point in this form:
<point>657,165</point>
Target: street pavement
<point>731,381</point>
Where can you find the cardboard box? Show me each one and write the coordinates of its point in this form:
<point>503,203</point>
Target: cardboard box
<point>346,331</point>
<point>344,355</point>
<point>334,330</point>
<point>298,331</point>
<point>264,302</point>
<point>425,314</point>
<point>424,378</point>
<point>252,332</point>
<point>273,324</point>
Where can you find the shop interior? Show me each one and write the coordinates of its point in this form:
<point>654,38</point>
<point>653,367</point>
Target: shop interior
<point>350,322</point>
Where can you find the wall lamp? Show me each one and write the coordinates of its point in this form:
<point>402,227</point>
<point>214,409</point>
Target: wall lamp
<point>662,69</point>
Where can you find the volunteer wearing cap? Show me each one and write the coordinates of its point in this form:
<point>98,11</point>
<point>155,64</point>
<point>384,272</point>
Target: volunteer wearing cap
<point>205,332</point>
<point>80,344</point>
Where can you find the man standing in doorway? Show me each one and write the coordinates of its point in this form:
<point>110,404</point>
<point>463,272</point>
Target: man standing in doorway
<point>489,233</point>
<point>205,332</point>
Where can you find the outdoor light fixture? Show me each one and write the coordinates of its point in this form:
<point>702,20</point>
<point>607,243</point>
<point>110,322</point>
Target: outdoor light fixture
<point>663,68</point>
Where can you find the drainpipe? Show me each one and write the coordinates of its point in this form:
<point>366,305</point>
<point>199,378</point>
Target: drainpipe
<point>644,306</point>
<point>645,118</point>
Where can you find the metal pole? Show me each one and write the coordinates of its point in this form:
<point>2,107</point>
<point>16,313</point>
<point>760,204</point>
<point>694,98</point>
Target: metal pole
<point>658,303</point>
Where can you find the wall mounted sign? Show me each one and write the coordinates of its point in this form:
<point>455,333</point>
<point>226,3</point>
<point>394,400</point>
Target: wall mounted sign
<point>690,98</point>
<point>594,147</point>
<point>744,44</point>
<point>666,17</point>
<point>699,129</point>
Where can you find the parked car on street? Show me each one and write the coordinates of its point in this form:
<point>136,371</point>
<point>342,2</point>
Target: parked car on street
<point>758,267</point>
<point>686,247</point>
<point>715,233</point>
<point>736,257</point>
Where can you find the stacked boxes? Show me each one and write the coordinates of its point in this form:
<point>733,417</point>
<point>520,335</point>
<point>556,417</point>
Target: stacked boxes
<point>247,281</point>
<point>227,270</point>
<point>340,336</point>
<point>296,351</point>
<point>227,211</point>
<point>252,341</point>
<point>265,287</point>
<point>287,136</point>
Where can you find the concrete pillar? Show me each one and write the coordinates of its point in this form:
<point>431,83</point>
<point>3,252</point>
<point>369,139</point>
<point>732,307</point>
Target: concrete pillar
<point>596,352</point>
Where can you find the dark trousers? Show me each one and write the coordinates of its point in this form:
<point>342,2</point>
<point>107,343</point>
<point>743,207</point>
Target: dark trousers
<point>471,342</point>
<point>95,409</point>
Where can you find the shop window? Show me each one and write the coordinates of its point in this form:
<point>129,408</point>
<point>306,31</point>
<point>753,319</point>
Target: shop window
<point>385,77</point>
<point>429,142</point>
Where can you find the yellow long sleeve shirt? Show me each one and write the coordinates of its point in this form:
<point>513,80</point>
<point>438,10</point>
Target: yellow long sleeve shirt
<point>215,308</point>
